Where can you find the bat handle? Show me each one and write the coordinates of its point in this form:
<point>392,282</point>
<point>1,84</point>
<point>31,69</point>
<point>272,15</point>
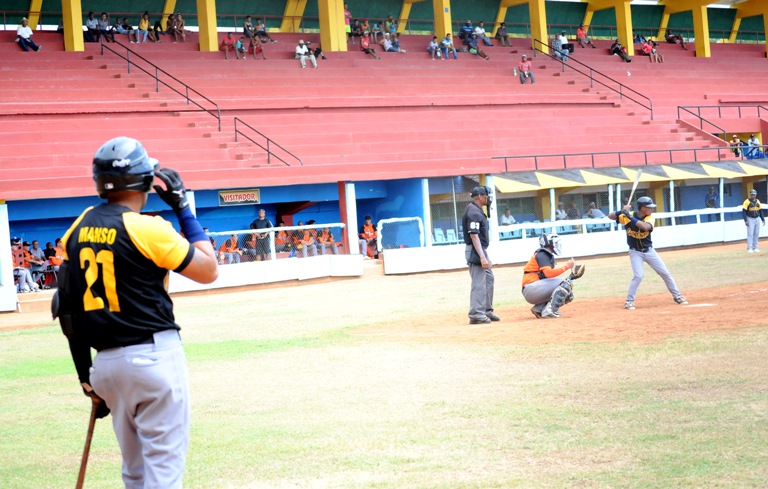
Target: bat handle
<point>88,438</point>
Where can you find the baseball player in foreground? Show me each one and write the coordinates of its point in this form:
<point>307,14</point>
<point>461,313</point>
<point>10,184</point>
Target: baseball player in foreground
<point>542,285</point>
<point>113,298</point>
<point>475,226</point>
<point>639,227</point>
<point>751,213</point>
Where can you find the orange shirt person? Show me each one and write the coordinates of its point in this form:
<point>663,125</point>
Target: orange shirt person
<point>368,239</point>
<point>230,250</point>
<point>327,241</point>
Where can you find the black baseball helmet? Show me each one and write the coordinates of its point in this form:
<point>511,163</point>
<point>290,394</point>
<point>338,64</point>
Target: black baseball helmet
<point>123,164</point>
<point>645,202</point>
<point>551,241</point>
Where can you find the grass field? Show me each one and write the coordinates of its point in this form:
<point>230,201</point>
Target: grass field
<point>379,382</point>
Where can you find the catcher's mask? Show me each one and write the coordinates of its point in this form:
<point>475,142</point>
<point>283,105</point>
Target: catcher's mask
<point>551,241</point>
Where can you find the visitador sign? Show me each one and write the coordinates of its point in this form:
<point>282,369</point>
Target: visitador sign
<point>239,197</point>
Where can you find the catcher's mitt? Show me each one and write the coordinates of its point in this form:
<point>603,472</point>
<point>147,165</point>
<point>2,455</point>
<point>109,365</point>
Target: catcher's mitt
<point>578,271</point>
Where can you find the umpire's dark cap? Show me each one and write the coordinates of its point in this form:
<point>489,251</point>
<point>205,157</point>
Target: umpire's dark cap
<point>479,191</point>
<point>645,202</point>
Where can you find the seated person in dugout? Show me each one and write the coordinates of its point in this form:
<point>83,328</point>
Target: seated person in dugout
<point>283,240</point>
<point>327,241</point>
<point>306,242</point>
<point>230,252</point>
<point>368,239</point>
<point>542,285</point>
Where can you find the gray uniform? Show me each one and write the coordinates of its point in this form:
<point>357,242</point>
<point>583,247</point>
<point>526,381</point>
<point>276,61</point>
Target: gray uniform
<point>481,294</point>
<point>753,216</point>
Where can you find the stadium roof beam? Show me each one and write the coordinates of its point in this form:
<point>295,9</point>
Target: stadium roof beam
<point>623,19</point>
<point>700,21</point>
<point>538,14</point>
<point>749,8</point>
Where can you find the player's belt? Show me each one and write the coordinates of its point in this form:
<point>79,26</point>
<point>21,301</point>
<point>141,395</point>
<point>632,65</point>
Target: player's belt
<point>644,250</point>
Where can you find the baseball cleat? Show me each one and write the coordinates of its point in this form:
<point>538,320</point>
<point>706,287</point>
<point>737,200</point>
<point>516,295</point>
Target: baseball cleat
<point>629,305</point>
<point>756,250</point>
<point>493,317</point>
<point>482,320</point>
<point>548,313</point>
<point>681,300</point>
<point>750,251</point>
<point>536,313</point>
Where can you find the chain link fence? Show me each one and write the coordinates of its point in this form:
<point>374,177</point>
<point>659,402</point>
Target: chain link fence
<point>242,246</point>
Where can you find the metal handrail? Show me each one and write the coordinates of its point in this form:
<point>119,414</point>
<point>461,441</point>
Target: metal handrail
<point>158,81</point>
<point>701,119</point>
<point>720,109</point>
<point>269,142</point>
<point>618,154</point>
<point>592,79</point>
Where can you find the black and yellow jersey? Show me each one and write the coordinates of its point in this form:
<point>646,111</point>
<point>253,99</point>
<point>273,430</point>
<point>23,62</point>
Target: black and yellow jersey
<point>118,262</point>
<point>637,239</point>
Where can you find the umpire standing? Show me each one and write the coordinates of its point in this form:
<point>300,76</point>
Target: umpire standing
<point>475,226</point>
<point>113,298</point>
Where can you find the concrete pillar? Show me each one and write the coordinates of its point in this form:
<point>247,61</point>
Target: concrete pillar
<point>206,20</point>
<point>333,36</point>
<point>538,13</point>
<point>442,11</point>
<point>624,26</point>
<point>701,32</point>
<point>33,18</point>
<point>72,20</point>
<point>292,15</point>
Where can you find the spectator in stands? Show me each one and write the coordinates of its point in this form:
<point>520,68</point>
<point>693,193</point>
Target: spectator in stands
<point>396,43</point>
<point>240,47</point>
<point>581,36</point>
<point>356,30</point>
<point>257,48</point>
<point>365,45</point>
<point>248,30</point>
<point>573,211</point>
<point>639,39</point>
<point>327,241</point>
<point>302,53</point>
<point>365,26</point>
<point>105,29</point>
<point>507,218</point>
<point>446,46</point>
<point>142,33</point>
<point>754,149</point>
<point>434,48</point>
<point>560,213</point>
<point>673,39</point>
<point>390,25</point>
<point>170,24</point>
<point>736,145</point>
<point>376,32</point>
<point>466,30</point>
<point>230,250</point>
<point>262,239</point>
<point>24,36</point>
<point>368,239</point>
<point>524,69</point>
<point>481,35</point>
<point>348,23</point>
<point>558,50</point>
<point>261,31</point>
<point>318,51</point>
<point>594,212</point>
<point>474,47</point>
<point>92,26</point>
<point>649,49</point>
<point>502,35</point>
<point>306,241</point>
<point>126,28</point>
<point>227,45</point>
<point>618,50</point>
<point>567,46</point>
<point>178,29</point>
<point>386,44</point>
<point>156,32</point>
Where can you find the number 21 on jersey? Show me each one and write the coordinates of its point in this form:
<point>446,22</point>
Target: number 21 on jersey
<point>90,261</point>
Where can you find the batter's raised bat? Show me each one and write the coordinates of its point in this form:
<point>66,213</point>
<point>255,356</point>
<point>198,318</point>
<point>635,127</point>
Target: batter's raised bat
<point>88,438</point>
<point>634,186</point>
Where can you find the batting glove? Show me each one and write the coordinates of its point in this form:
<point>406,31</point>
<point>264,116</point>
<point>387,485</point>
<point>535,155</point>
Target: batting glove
<point>174,194</point>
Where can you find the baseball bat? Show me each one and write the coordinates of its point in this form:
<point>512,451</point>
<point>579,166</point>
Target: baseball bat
<point>87,448</point>
<point>634,186</point>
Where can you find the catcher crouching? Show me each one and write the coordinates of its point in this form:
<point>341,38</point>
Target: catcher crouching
<point>542,285</point>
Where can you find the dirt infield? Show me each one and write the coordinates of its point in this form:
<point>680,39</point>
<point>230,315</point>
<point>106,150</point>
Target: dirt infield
<point>656,317</point>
